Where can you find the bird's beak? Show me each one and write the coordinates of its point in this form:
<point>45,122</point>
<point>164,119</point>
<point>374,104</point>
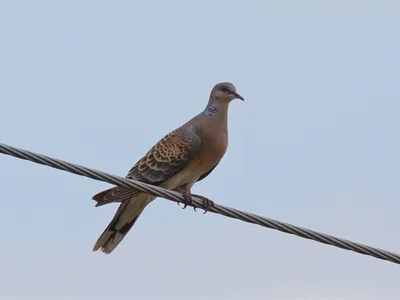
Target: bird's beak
<point>237,96</point>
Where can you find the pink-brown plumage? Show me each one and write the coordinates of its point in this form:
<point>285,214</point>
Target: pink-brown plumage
<point>181,158</point>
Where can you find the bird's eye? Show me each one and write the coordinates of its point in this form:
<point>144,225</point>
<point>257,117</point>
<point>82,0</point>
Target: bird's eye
<point>224,89</point>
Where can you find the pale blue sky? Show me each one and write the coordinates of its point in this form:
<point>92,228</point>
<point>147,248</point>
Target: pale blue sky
<point>315,144</point>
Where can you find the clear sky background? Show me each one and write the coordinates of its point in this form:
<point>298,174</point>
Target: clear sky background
<point>316,144</point>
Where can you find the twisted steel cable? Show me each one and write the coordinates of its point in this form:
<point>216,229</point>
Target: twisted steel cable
<point>219,209</point>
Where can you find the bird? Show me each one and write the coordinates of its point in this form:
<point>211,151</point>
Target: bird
<point>176,162</point>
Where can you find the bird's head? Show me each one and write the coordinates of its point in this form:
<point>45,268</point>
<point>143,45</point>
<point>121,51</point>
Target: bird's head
<point>224,92</point>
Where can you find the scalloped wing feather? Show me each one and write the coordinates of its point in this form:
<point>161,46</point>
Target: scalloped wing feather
<point>169,156</point>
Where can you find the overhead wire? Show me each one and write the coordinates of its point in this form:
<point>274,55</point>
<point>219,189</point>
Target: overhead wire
<point>197,203</point>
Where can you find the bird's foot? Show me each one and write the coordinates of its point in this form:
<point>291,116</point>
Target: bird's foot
<point>186,196</point>
<point>188,200</point>
<point>207,203</point>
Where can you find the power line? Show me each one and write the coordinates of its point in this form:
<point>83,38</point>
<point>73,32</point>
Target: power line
<point>219,209</point>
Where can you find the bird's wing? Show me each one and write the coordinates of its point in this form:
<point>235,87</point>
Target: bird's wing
<point>169,156</point>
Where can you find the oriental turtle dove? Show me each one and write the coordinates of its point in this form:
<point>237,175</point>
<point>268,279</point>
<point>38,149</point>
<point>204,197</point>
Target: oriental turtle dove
<point>186,155</point>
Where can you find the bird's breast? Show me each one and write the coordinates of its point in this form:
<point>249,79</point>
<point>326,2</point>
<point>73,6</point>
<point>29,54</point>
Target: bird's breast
<point>211,152</point>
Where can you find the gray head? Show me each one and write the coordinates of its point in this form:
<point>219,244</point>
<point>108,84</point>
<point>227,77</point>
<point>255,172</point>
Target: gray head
<point>224,92</point>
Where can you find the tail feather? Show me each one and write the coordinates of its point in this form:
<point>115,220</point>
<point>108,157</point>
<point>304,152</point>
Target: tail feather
<point>127,214</point>
<point>115,194</point>
<point>100,196</point>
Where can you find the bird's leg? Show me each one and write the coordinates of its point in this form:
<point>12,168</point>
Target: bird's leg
<point>186,195</point>
<point>207,203</point>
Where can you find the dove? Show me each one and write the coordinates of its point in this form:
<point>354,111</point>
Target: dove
<point>183,157</point>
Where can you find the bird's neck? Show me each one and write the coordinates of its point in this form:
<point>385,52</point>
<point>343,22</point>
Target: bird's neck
<point>217,111</point>
<point>215,108</point>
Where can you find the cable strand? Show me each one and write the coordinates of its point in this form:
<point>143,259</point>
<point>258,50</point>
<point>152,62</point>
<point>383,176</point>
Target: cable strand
<point>218,209</point>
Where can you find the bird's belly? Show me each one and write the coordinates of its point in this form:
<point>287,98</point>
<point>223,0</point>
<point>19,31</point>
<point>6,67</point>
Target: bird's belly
<point>210,154</point>
<point>189,175</point>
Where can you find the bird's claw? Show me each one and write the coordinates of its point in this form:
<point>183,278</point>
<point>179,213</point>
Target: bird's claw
<point>207,203</point>
<point>187,199</point>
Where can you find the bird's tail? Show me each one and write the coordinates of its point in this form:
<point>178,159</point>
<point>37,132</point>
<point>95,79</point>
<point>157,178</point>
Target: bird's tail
<point>125,217</point>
